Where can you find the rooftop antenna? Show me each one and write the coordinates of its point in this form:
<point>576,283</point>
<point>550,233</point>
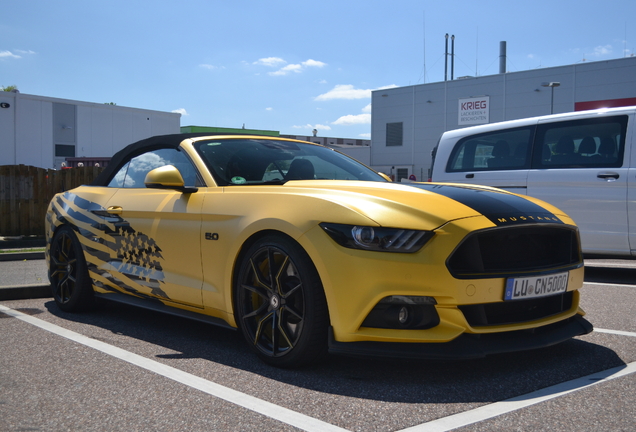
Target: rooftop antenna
<point>452,57</point>
<point>424,40</point>
<point>477,52</point>
<point>502,57</point>
<point>446,59</point>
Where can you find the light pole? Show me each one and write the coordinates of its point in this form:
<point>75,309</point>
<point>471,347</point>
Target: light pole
<point>552,85</point>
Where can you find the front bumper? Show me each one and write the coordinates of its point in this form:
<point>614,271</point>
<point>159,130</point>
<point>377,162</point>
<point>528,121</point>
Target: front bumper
<point>468,346</point>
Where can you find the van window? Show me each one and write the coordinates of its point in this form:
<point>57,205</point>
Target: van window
<point>497,150</point>
<point>592,142</point>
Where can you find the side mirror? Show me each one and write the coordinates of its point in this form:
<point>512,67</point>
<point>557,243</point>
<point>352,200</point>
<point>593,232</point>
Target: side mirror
<point>167,177</point>
<point>385,176</point>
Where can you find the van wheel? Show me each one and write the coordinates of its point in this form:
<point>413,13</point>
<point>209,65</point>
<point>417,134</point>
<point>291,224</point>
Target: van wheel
<point>280,305</point>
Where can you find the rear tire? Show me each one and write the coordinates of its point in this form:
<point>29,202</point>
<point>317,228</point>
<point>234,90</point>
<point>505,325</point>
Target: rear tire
<point>280,304</point>
<point>68,273</point>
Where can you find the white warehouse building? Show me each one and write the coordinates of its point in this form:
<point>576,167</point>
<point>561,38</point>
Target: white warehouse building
<point>407,122</point>
<point>43,131</point>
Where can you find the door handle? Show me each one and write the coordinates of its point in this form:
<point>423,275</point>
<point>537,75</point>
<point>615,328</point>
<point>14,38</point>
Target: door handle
<point>470,175</point>
<point>608,175</point>
<point>116,210</point>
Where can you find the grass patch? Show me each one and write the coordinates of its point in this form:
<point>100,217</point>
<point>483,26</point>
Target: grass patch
<point>8,251</point>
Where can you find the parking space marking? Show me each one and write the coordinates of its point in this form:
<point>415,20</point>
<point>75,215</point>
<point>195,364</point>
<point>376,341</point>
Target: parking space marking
<point>616,332</point>
<point>311,424</point>
<point>609,284</point>
<point>260,406</point>
<point>498,408</point>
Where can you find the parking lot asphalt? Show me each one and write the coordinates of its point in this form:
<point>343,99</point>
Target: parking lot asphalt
<point>140,361</point>
<point>23,276</point>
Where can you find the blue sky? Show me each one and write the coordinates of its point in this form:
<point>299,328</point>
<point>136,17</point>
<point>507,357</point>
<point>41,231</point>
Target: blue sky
<point>283,65</point>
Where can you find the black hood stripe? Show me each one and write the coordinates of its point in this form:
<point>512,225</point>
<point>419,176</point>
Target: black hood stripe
<point>499,207</point>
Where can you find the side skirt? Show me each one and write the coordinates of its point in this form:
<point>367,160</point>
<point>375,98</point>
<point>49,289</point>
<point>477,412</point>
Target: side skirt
<point>158,306</point>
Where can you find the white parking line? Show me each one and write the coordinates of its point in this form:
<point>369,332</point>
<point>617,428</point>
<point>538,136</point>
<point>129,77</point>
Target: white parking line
<point>311,424</point>
<point>609,284</point>
<point>498,408</point>
<point>260,406</point>
<point>616,332</point>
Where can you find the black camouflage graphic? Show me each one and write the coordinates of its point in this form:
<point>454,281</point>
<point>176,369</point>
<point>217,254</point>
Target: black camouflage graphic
<point>134,260</point>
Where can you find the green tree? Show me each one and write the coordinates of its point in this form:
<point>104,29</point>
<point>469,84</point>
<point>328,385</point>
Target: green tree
<point>8,88</point>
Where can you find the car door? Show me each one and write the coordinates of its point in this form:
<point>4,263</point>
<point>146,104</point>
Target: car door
<point>587,183</point>
<point>631,184</point>
<point>157,234</point>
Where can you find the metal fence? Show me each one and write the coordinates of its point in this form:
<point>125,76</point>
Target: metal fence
<point>25,192</point>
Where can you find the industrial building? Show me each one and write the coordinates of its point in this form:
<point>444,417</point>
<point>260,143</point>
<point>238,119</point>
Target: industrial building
<point>407,122</point>
<point>44,132</point>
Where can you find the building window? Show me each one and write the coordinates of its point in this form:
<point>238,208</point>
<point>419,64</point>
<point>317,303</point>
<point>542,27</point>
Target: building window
<point>393,134</point>
<point>402,173</point>
<point>62,150</point>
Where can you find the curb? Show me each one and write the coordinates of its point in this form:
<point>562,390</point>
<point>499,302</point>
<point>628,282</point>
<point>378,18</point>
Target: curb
<point>23,292</point>
<point>21,256</point>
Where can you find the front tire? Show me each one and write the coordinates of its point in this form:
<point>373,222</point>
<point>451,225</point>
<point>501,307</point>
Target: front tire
<point>70,284</point>
<point>280,305</point>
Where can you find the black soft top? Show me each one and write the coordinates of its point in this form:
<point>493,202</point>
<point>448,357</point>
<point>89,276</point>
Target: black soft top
<point>145,145</point>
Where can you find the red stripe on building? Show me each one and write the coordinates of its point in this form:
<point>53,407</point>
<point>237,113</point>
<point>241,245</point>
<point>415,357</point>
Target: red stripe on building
<point>610,103</point>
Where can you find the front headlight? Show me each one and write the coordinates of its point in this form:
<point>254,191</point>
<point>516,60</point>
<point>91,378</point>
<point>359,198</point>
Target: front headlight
<point>377,238</point>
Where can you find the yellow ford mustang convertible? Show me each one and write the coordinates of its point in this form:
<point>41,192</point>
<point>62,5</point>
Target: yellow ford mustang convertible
<point>307,251</point>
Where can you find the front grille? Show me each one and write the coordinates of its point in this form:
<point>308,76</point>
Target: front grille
<point>516,311</point>
<point>503,252</point>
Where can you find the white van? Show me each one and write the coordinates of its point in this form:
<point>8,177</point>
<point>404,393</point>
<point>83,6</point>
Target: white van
<point>581,162</point>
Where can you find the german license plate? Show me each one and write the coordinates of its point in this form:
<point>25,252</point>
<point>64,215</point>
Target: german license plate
<point>536,286</point>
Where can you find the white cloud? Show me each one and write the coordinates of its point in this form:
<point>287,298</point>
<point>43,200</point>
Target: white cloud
<point>270,61</point>
<point>287,69</point>
<point>298,68</point>
<point>269,109</point>
<point>350,119</point>
<point>344,91</point>
<point>602,50</point>
<point>25,52</point>
<point>365,136</point>
<point>210,67</point>
<point>347,91</point>
<point>355,119</point>
<point>8,54</point>
<point>181,111</point>
<point>313,63</point>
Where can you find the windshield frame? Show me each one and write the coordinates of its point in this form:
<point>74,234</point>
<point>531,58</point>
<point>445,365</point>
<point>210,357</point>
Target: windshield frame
<point>244,161</point>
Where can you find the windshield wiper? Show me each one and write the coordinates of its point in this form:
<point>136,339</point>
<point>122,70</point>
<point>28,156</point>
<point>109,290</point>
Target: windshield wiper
<point>273,182</point>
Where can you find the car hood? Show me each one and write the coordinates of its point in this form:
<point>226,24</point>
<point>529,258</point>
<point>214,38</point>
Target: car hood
<point>427,205</point>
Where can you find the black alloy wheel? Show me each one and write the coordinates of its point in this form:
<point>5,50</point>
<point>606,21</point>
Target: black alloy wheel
<point>68,273</point>
<point>280,304</point>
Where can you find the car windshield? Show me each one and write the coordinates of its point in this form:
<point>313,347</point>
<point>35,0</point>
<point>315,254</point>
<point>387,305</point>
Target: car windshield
<point>264,161</point>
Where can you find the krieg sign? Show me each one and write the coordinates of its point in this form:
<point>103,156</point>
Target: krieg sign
<point>474,111</point>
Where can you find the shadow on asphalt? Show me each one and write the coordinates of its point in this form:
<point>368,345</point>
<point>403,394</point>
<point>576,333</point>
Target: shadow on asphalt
<point>610,275</point>
<point>482,380</point>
